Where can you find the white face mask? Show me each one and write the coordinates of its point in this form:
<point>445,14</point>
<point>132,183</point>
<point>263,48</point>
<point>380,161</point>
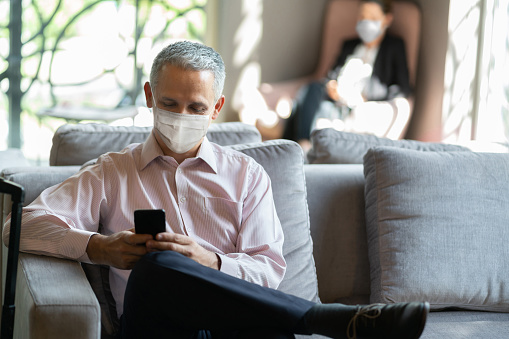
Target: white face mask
<point>180,132</point>
<point>369,30</point>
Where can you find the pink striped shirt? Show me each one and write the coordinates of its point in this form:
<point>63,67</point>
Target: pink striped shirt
<point>221,198</point>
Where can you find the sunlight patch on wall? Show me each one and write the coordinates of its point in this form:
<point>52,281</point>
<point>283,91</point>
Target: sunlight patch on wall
<point>247,99</point>
<point>460,69</point>
<point>493,116</point>
<point>476,98</point>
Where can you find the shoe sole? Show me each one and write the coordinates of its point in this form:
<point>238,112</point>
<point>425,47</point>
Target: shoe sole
<point>423,320</point>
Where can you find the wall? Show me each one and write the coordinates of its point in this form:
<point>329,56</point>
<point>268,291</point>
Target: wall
<point>284,37</point>
<point>426,123</point>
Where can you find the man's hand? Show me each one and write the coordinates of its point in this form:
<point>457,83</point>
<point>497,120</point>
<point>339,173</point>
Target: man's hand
<point>121,250</point>
<point>186,246</point>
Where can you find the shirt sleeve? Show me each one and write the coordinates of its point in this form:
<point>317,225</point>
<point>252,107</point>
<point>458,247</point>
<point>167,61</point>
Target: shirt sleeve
<point>62,219</point>
<point>259,257</point>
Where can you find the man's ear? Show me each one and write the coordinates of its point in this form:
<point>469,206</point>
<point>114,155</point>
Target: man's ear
<point>149,96</point>
<point>388,19</point>
<point>218,107</point>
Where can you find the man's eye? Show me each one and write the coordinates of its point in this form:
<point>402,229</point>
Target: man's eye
<point>199,110</point>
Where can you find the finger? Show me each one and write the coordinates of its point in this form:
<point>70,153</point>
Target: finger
<point>169,246</point>
<point>174,237</point>
<point>137,239</point>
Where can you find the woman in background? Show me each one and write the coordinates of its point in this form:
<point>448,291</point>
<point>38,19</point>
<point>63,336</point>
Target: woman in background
<point>372,67</point>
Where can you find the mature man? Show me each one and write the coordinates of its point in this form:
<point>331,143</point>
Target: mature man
<point>214,272</point>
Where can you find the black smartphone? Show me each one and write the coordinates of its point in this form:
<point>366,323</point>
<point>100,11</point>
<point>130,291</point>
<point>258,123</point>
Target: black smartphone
<point>149,222</point>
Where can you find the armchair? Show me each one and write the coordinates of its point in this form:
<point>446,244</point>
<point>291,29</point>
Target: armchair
<point>338,26</point>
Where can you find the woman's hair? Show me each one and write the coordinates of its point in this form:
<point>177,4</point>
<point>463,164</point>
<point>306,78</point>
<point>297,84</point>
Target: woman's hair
<point>191,56</point>
<point>385,4</point>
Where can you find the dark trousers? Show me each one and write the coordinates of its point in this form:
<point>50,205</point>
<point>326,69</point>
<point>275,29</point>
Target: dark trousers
<point>307,103</point>
<point>171,296</point>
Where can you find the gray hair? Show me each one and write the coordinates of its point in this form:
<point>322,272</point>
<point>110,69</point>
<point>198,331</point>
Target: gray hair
<point>190,56</point>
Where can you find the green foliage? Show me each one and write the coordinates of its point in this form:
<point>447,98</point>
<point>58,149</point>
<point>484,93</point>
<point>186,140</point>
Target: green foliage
<point>71,48</point>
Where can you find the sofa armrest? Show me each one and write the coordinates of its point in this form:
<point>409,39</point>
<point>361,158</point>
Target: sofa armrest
<point>12,157</point>
<point>54,300</point>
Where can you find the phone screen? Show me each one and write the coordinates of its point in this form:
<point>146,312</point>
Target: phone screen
<point>150,221</point>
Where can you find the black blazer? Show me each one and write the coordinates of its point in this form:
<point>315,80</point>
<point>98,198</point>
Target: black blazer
<point>390,68</point>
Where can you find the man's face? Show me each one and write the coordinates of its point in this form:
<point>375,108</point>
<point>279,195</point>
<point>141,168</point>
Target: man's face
<point>184,91</point>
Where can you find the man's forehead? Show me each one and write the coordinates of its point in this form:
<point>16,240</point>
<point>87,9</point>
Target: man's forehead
<point>177,82</point>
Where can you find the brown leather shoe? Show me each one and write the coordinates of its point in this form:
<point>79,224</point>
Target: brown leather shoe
<point>394,321</point>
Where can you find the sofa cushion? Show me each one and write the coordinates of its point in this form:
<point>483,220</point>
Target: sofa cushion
<point>76,144</point>
<point>335,195</point>
<point>466,324</point>
<point>283,162</point>
<point>437,227</point>
<point>336,147</point>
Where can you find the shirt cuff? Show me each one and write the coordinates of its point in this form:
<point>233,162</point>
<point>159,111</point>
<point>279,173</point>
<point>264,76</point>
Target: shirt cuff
<point>76,242</point>
<point>228,265</point>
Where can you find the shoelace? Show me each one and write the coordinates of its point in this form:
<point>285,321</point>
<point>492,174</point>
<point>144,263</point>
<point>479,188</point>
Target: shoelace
<point>351,330</point>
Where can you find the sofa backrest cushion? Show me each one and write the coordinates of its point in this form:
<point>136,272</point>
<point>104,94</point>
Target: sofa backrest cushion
<point>437,228</point>
<point>335,195</point>
<point>335,147</point>
<point>283,162</point>
<point>76,144</point>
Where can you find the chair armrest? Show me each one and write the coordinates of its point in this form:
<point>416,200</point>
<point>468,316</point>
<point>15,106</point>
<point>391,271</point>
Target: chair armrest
<point>273,94</point>
<point>54,300</point>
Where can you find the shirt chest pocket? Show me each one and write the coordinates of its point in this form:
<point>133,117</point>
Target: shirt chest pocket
<point>223,218</point>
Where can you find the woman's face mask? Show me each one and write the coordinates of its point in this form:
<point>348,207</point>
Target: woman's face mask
<point>180,132</point>
<point>369,30</point>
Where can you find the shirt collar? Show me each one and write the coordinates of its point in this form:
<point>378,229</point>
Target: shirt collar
<point>207,154</point>
<point>151,150</point>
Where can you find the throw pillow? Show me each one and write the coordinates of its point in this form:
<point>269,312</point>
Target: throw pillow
<point>437,228</point>
<point>335,147</point>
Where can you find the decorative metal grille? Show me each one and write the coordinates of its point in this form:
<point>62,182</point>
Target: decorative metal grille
<point>93,53</point>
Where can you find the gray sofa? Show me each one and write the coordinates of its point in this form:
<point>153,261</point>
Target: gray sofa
<point>344,236</point>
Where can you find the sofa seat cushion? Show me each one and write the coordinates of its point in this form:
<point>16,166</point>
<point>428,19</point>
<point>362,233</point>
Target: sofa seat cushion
<point>437,228</point>
<point>466,325</point>
<point>336,147</point>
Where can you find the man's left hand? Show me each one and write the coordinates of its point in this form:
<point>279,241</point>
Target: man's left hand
<point>184,245</point>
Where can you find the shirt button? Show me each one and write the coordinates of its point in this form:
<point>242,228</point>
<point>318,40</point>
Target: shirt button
<point>183,199</point>
<point>179,170</point>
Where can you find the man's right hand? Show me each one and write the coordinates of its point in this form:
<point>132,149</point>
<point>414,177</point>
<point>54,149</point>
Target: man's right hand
<point>121,250</point>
